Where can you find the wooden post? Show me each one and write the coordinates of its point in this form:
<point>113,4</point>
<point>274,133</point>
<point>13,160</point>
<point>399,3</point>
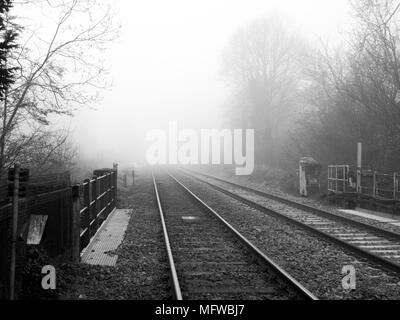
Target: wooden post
<point>96,205</point>
<point>76,223</point>
<point>107,197</point>
<point>14,231</point>
<point>88,199</point>
<point>115,183</point>
<point>103,199</point>
<point>111,191</point>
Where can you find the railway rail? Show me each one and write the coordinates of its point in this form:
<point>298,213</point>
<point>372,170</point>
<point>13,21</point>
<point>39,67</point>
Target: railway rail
<point>369,242</point>
<point>208,258</point>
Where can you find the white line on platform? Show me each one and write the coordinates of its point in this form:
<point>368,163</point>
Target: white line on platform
<point>372,217</point>
<point>108,240</point>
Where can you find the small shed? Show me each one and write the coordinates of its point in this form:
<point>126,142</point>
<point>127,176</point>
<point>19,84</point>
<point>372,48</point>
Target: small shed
<point>309,175</point>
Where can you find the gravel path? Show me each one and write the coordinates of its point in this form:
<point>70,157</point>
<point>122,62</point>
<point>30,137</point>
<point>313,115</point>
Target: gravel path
<point>141,271</point>
<point>316,263</point>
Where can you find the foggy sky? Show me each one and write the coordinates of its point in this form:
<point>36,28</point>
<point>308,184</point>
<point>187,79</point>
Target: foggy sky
<point>165,66</point>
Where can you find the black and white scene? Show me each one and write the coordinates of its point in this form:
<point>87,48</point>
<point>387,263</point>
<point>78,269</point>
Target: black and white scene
<point>218,152</point>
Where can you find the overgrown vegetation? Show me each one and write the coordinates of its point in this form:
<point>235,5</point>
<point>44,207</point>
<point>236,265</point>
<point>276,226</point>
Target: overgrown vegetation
<point>51,65</point>
<point>320,100</point>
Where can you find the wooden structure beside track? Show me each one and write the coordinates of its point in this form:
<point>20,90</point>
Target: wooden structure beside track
<point>74,215</point>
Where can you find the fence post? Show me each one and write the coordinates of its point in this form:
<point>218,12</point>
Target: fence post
<point>337,182</point>
<point>14,231</point>
<point>96,187</point>
<point>115,183</point>
<point>87,190</point>
<point>103,199</point>
<point>111,191</point>
<point>374,186</point>
<point>76,223</point>
<point>125,179</point>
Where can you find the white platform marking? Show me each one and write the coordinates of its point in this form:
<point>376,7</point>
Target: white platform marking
<point>373,217</point>
<point>370,216</point>
<point>107,239</point>
<point>381,247</point>
<point>368,242</point>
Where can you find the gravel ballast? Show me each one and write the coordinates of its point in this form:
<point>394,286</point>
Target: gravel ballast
<point>141,272</point>
<point>319,204</point>
<point>210,262</point>
<point>315,263</point>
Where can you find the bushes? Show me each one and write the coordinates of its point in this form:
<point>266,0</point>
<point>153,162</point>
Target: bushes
<point>31,276</point>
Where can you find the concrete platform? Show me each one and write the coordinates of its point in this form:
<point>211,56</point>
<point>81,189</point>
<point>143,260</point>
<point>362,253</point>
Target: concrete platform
<point>107,239</point>
<point>377,216</point>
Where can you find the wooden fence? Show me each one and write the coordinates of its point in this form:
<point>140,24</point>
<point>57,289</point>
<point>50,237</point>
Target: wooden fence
<point>74,215</point>
<point>94,200</point>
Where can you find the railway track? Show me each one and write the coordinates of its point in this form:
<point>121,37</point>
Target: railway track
<point>372,243</point>
<point>208,258</point>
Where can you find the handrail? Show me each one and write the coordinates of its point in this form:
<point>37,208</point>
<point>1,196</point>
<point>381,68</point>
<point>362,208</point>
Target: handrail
<point>98,197</point>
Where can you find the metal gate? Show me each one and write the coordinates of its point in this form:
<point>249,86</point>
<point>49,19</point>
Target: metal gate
<point>338,179</point>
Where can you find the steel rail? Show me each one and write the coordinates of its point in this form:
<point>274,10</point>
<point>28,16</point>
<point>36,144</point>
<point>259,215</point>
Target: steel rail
<point>176,289</point>
<point>301,206</point>
<point>262,259</point>
<point>385,263</point>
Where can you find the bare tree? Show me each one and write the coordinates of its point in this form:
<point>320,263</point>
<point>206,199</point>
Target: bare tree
<point>262,65</point>
<point>355,91</point>
<point>42,150</point>
<point>58,70</point>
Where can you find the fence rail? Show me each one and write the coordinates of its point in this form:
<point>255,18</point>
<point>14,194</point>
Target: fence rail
<point>374,184</point>
<point>74,215</point>
<point>97,198</point>
<point>338,179</point>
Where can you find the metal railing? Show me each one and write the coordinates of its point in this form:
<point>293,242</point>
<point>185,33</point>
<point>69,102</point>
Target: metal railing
<point>342,179</point>
<point>338,179</point>
<point>380,185</point>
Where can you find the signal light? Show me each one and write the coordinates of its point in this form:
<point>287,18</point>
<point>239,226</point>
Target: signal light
<point>23,180</point>
<point>23,175</point>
